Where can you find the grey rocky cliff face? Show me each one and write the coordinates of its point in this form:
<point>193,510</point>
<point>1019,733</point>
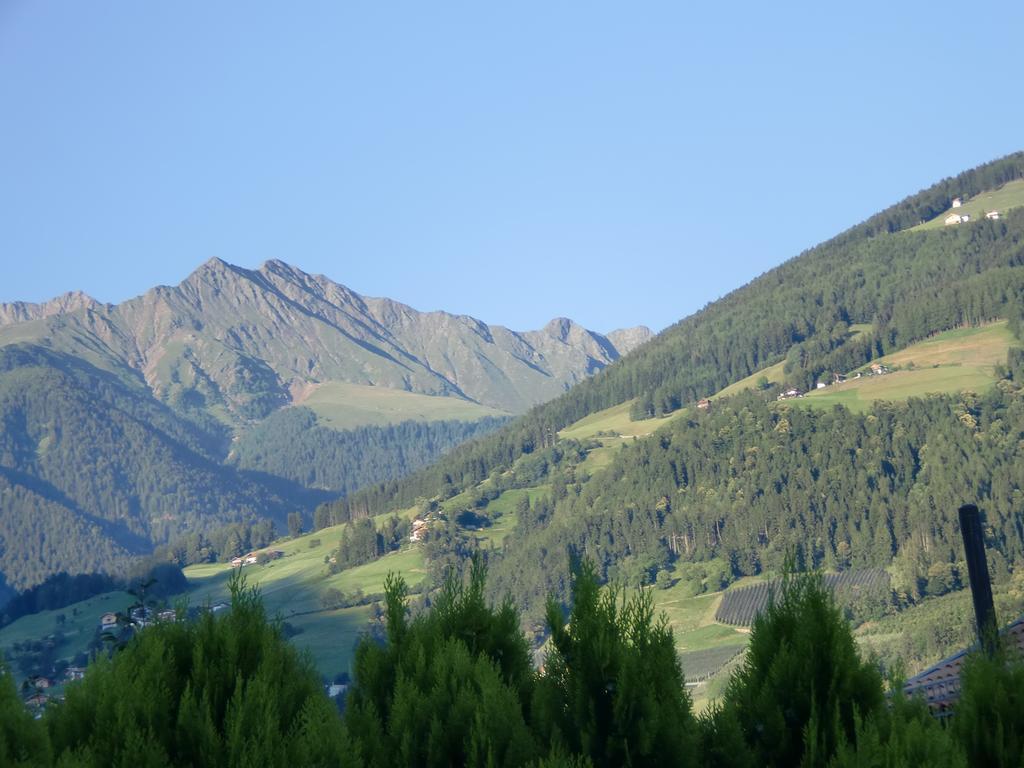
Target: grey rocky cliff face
<point>245,339</point>
<point>626,340</point>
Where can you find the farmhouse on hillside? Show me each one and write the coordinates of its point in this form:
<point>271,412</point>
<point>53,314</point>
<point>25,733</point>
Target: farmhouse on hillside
<point>992,215</point>
<point>957,218</point>
<point>419,529</point>
<point>704,404</point>
<point>74,673</point>
<point>957,202</point>
<point>108,620</point>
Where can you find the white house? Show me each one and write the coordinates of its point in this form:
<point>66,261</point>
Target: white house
<point>993,215</point>
<point>957,202</point>
<point>956,218</point>
<point>820,385</point>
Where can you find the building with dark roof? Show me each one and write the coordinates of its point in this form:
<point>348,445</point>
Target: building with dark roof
<point>939,685</point>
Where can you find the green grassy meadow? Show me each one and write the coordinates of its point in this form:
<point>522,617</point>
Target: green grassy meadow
<point>617,428</point>
<point>346,406</point>
<point>772,372</point>
<point>1010,195</point>
<point>502,512</point>
<point>858,396</point>
<point>615,419</point>
<point>952,361</point>
<point>293,585</point>
<point>78,628</point>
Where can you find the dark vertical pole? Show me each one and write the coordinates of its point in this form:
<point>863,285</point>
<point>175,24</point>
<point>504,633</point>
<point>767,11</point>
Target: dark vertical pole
<point>977,570</point>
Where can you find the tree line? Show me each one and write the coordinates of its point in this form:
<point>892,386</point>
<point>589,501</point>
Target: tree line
<point>456,685</point>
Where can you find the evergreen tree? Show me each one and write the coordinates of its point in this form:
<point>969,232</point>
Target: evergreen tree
<point>803,686</point>
<point>902,735</point>
<point>448,687</point>
<point>989,717</point>
<point>23,740</point>
<point>612,688</point>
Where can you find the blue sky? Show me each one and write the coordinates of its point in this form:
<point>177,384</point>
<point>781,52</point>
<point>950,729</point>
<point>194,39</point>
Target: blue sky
<point>617,163</point>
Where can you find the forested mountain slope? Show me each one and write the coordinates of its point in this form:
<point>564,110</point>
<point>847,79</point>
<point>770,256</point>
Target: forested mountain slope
<point>704,496</point>
<point>94,470</point>
<point>904,285</point>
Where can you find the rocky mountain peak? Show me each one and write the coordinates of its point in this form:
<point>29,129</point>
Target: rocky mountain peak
<point>23,311</point>
<point>628,339</point>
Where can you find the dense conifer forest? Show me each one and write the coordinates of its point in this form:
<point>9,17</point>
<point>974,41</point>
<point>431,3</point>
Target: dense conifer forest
<point>94,472</point>
<point>291,444</point>
<point>750,484</point>
<point>455,685</point>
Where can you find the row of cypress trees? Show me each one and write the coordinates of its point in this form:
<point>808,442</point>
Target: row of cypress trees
<point>456,686</point>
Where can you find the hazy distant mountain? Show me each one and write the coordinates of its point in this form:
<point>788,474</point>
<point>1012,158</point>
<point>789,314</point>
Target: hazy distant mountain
<point>250,341</point>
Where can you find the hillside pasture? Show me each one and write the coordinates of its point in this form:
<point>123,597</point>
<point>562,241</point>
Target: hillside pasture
<point>859,395</point>
<point>295,583</point>
<point>984,346</point>
<point>959,360</point>
<point>78,628</point>
<point>773,373</point>
<point>345,406</point>
<point>614,420</point>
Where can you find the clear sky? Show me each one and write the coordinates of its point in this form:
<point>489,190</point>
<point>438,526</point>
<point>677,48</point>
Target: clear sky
<point>617,163</point>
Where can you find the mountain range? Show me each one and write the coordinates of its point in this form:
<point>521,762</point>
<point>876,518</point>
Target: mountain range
<point>249,341</point>
<point>127,425</point>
